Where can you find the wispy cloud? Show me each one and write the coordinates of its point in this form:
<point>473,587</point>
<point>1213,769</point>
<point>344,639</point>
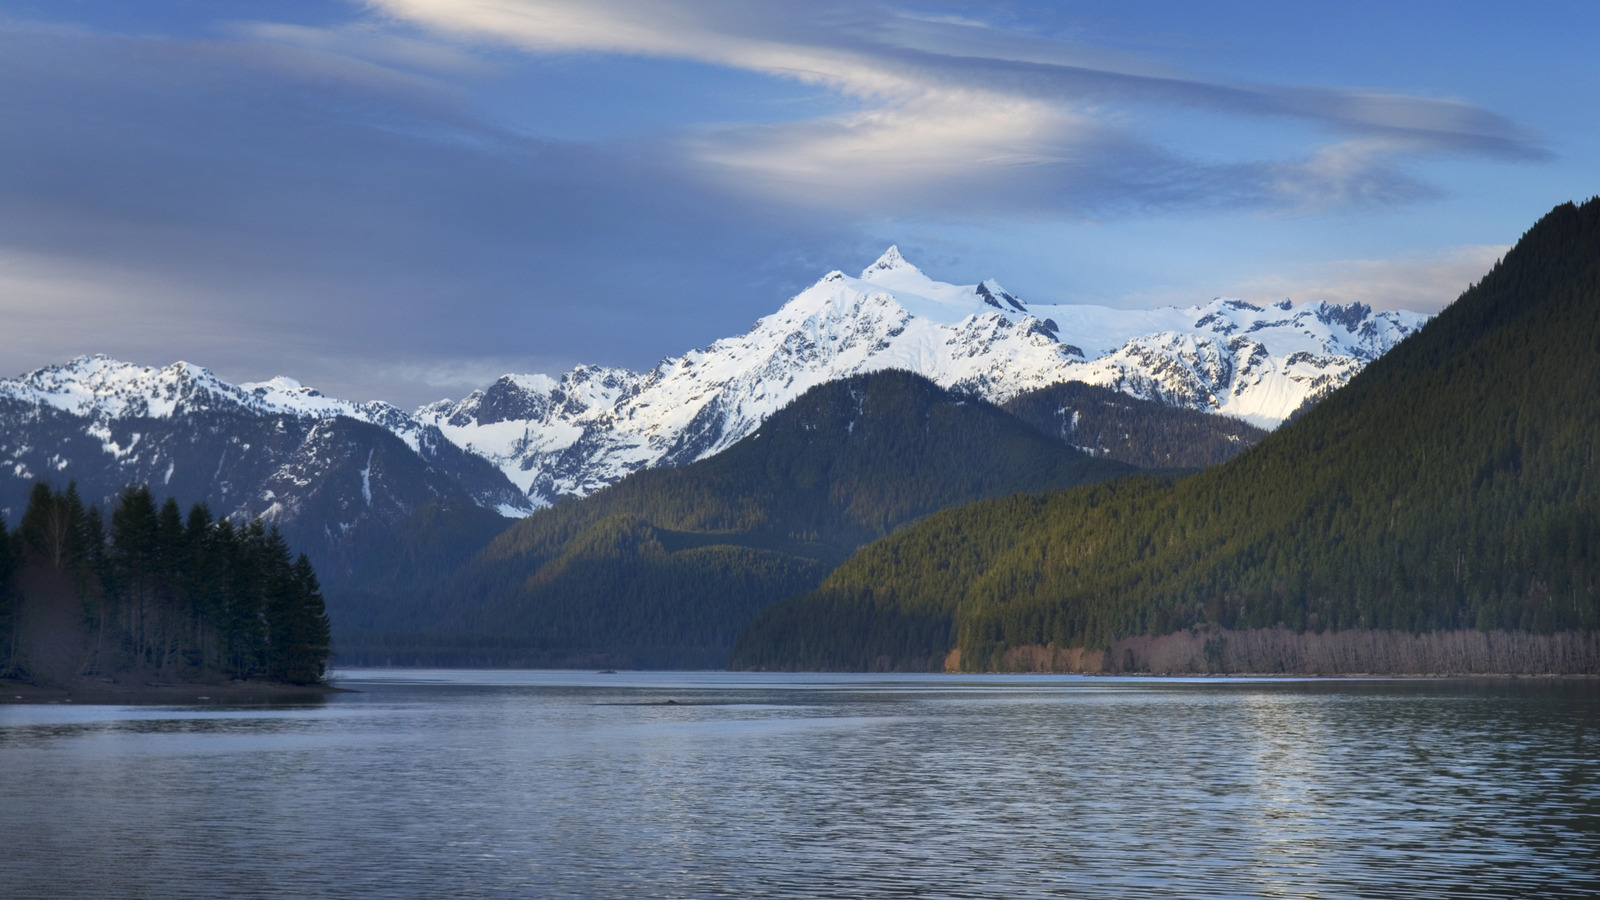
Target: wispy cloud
<point>952,113</point>
<point>365,41</point>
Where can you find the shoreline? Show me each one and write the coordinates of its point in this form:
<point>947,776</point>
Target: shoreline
<point>106,692</point>
<point>1174,676</point>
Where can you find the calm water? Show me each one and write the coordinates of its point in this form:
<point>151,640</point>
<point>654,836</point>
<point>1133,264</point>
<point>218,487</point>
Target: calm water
<point>442,784</point>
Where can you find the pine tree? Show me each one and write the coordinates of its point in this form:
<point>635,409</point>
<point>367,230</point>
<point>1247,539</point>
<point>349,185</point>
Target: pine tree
<point>244,627</point>
<point>298,624</point>
<point>135,564</point>
<point>50,525</point>
<point>202,586</point>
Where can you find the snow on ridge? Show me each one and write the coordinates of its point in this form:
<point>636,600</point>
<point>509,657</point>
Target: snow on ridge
<point>101,387</point>
<point>91,383</point>
<point>105,389</point>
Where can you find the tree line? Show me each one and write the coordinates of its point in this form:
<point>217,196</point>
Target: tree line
<point>183,596</point>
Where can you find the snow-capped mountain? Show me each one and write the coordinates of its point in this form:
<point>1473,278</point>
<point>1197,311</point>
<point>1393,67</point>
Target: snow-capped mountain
<point>331,473</point>
<point>593,425</point>
<point>287,452</point>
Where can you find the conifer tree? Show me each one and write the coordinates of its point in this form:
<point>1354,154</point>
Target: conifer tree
<point>135,564</point>
<point>201,586</point>
<point>50,525</point>
<point>296,620</point>
<point>244,626</point>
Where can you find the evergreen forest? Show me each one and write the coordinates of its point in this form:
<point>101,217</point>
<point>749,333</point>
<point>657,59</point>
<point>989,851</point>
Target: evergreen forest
<point>1452,485</point>
<point>154,593</point>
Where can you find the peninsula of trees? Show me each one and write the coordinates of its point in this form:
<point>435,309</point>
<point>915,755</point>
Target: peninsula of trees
<point>156,597</point>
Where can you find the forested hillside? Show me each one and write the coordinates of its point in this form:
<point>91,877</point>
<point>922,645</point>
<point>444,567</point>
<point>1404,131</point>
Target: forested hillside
<point>1451,485</point>
<point>161,595</point>
<point>662,568</point>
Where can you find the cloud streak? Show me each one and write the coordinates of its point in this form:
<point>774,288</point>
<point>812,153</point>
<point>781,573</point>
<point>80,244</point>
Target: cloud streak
<point>954,117</point>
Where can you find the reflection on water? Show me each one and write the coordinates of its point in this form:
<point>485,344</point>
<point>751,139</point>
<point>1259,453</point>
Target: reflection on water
<point>588,785</point>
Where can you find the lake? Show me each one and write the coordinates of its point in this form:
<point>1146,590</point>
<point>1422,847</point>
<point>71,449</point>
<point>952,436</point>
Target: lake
<point>571,784</point>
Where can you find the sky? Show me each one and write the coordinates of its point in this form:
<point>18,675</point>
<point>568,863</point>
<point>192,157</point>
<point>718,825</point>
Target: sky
<point>403,199</point>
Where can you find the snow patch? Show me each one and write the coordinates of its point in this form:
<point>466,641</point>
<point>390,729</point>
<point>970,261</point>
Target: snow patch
<point>366,478</point>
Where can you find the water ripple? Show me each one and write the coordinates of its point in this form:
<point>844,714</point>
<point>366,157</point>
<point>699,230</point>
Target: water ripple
<point>572,785</point>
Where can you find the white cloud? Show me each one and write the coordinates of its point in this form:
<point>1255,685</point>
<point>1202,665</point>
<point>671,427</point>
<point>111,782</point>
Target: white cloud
<point>892,154</point>
<point>913,130</point>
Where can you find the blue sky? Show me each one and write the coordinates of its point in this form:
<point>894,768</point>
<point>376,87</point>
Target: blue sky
<point>401,199</point>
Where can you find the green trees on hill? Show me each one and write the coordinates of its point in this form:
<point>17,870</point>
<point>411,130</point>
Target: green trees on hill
<point>175,595</point>
<point>1452,484</point>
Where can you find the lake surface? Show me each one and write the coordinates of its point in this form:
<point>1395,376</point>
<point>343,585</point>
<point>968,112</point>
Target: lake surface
<point>563,784</point>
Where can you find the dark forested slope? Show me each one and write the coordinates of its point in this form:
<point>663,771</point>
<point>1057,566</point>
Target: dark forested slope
<point>1451,485</point>
<point>1108,423</point>
<point>662,568</point>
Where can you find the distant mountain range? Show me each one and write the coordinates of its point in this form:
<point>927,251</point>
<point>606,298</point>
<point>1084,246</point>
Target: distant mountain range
<point>341,477</point>
<point>1451,488</point>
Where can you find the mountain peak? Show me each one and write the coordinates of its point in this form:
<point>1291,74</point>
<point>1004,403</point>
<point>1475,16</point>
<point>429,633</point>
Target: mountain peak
<point>890,261</point>
<point>990,292</point>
